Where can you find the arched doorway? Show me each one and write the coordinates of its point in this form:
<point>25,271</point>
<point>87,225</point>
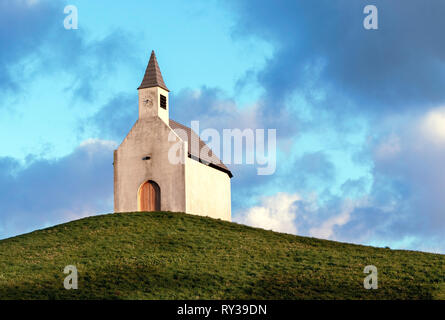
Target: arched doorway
<point>149,197</point>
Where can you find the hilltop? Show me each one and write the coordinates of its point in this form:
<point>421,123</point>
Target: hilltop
<point>164,255</point>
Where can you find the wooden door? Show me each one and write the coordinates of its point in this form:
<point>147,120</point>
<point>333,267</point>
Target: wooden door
<point>149,197</point>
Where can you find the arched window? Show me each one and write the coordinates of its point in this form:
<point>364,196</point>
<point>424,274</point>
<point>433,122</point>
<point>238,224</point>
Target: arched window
<point>149,197</point>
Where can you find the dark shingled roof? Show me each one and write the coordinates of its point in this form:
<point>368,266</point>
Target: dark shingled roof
<point>153,76</point>
<point>207,157</point>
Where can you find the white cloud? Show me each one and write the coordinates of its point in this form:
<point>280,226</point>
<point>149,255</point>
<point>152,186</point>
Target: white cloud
<point>277,213</point>
<point>95,142</point>
<point>326,229</point>
<point>290,213</point>
<point>432,125</point>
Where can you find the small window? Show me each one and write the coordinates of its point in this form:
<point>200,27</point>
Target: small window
<point>163,102</point>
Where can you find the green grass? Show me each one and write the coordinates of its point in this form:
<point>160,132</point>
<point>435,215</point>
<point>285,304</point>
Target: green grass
<point>167,255</point>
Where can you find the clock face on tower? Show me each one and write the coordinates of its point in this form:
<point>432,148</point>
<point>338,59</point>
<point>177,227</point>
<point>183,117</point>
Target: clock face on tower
<point>148,100</point>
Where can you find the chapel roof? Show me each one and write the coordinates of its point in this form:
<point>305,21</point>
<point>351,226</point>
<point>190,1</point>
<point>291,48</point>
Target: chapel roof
<point>204,154</point>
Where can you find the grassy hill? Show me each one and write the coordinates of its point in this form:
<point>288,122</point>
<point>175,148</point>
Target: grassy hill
<point>176,256</point>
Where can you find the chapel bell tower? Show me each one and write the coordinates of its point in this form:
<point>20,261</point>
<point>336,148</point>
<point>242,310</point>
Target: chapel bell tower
<point>153,93</point>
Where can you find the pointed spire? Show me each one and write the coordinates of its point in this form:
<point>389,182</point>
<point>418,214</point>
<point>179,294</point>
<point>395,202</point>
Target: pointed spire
<point>153,76</point>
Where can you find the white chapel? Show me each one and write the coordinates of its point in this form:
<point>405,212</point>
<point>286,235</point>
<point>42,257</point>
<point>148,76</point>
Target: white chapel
<point>148,178</point>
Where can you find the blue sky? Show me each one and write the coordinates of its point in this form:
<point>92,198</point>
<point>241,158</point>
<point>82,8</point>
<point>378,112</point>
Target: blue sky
<point>359,114</point>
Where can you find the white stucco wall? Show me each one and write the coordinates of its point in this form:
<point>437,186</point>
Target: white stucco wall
<point>207,191</point>
<point>148,137</point>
